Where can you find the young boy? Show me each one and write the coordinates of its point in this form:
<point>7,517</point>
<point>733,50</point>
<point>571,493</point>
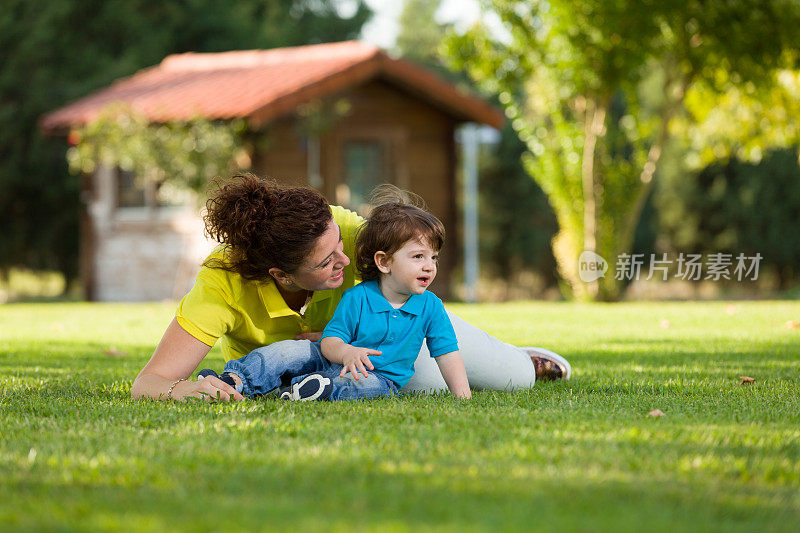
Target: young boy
<point>369,347</point>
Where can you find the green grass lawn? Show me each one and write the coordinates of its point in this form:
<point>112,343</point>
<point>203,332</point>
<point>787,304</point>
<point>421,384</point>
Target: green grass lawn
<point>77,454</point>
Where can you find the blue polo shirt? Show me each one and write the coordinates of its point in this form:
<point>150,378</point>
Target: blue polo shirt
<point>364,318</point>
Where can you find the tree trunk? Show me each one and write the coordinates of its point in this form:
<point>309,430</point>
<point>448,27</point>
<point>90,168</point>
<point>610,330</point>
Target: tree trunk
<point>672,105</point>
<point>593,128</point>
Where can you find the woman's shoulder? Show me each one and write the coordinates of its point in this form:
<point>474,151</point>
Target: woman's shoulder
<point>342,212</point>
<point>345,218</point>
<point>215,273</point>
<point>349,222</point>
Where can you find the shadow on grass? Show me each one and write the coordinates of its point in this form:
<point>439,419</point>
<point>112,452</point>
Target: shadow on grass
<point>319,495</point>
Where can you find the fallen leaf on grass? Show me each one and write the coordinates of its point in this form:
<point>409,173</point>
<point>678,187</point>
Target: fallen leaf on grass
<point>113,352</point>
<point>746,379</point>
<point>792,324</point>
<point>655,413</point>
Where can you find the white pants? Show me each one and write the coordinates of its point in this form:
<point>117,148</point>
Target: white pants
<point>490,363</point>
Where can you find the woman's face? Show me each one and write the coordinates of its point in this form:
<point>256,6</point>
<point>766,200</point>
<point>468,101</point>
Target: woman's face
<point>324,267</point>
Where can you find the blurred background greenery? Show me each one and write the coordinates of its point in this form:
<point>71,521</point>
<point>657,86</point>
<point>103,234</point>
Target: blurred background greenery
<point>727,179</point>
<point>57,51</point>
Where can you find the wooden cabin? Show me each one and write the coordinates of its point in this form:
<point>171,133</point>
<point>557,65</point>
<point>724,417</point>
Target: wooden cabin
<point>397,126</point>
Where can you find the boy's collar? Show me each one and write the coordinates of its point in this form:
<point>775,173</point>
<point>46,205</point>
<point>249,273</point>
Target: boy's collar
<point>379,304</point>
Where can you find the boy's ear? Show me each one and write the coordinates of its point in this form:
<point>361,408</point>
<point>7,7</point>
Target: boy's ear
<point>382,261</point>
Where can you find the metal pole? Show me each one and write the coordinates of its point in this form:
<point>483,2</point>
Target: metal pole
<point>313,164</point>
<point>469,143</point>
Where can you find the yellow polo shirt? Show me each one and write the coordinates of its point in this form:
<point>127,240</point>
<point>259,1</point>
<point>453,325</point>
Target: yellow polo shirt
<point>246,315</point>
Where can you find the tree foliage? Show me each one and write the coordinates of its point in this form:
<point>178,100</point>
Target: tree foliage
<point>743,121</point>
<point>517,224</point>
<point>420,34</point>
<point>420,37</point>
<point>734,207</point>
<point>592,87</point>
<point>185,154</point>
<point>54,51</point>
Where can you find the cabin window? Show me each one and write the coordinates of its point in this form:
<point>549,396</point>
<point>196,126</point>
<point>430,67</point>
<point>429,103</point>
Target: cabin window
<point>130,191</point>
<point>133,193</point>
<point>364,167</point>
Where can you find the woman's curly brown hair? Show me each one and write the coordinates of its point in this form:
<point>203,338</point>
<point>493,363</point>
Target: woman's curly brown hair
<point>396,217</point>
<point>264,225</point>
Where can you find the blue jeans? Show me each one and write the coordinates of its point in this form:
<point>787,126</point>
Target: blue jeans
<point>264,369</point>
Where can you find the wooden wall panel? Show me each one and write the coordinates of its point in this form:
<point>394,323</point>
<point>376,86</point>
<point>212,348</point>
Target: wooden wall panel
<point>421,140</point>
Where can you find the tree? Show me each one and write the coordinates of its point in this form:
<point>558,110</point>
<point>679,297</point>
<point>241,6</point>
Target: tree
<point>420,34</point>
<point>54,51</point>
<point>516,221</point>
<point>737,207</point>
<point>184,155</point>
<point>592,88</point>
<point>765,116</point>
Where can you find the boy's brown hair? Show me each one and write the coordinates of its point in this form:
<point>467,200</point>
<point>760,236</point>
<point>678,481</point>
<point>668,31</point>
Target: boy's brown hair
<point>396,217</point>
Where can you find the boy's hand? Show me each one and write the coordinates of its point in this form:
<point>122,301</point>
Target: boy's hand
<point>357,360</point>
<point>455,375</point>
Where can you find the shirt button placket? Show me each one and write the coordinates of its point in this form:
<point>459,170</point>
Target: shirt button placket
<point>395,314</point>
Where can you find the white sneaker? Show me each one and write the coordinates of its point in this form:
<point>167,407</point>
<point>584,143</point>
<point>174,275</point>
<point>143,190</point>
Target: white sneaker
<point>312,387</point>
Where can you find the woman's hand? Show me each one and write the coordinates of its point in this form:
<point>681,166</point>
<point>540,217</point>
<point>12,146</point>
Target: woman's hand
<point>176,357</point>
<point>209,389</point>
<point>312,336</point>
<point>356,360</point>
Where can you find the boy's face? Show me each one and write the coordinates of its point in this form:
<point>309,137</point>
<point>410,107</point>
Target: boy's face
<point>411,269</point>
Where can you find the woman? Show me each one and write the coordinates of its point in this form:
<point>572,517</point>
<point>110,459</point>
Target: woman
<point>284,263</point>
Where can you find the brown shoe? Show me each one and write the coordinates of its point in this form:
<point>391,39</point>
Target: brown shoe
<point>549,365</point>
<point>546,370</point>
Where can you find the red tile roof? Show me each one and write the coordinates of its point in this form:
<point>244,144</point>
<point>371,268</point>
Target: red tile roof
<point>264,84</point>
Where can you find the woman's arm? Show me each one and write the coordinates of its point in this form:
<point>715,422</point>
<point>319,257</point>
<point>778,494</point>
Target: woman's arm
<point>312,336</point>
<point>176,357</point>
<point>452,368</point>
